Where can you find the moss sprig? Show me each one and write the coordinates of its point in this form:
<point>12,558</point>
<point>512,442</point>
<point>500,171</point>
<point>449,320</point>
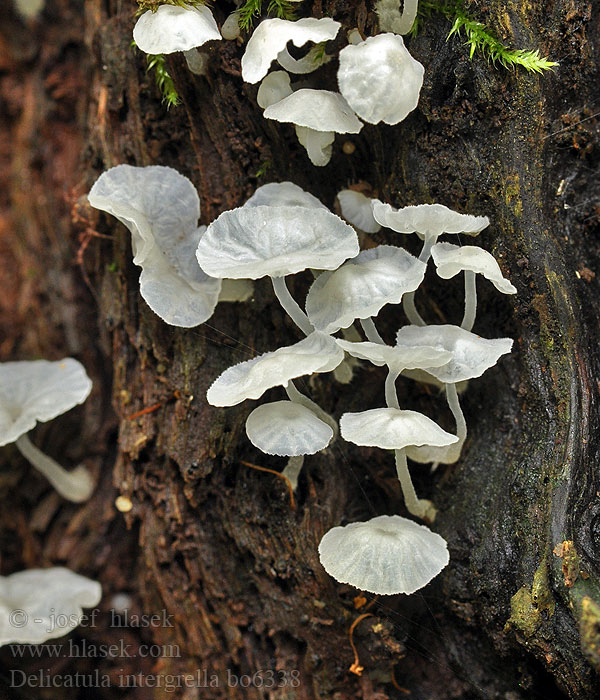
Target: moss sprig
<point>153,5</point>
<point>163,80</point>
<point>480,39</point>
<point>251,9</point>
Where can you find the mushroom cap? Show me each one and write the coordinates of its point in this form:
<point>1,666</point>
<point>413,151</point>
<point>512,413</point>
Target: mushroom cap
<point>283,194</point>
<point>380,79</point>
<point>357,209</point>
<point>318,144</point>
<point>171,28</point>
<point>273,88</point>
<point>451,259</point>
<point>313,59</point>
<point>427,220</point>
<point>38,391</point>
<point>160,207</point>
<point>287,429</point>
<point>264,240</point>
<point>317,352</point>
<point>385,555</point>
<point>48,601</point>
<point>271,37</point>
<point>392,429</point>
<point>362,287</point>
<point>409,357</point>
<point>320,110</point>
<point>471,354</point>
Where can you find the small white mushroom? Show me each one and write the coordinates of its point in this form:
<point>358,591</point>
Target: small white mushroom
<point>160,207</point>
<point>451,259</point>
<point>379,79</point>
<point>394,429</point>
<point>29,9</point>
<point>236,290</point>
<point>429,222</point>
<point>271,36</point>
<point>362,287</point>
<point>317,352</point>
<point>283,194</point>
<point>358,210</point>
<point>276,241</point>
<point>318,116</point>
<point>40,391</point>
<point>173,28</point>
<point>273,88</point>
<point>385,555</point>
<point>315,58</point>
<point>392,20</point>
<point>41,604</point>
<point>230,29</point>
<point>287,429</point>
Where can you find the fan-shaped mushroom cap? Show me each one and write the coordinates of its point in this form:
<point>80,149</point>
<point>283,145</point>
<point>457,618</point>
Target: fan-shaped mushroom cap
<point>38,391</point>
<point>320,110</point>
<point>380,80</point>
<point>171,28</point>
<point>392,429</point>
<point>385,555</point>
<point>362,287</point>
<point>287,429</point>
<point>48,604</point>
<point>357,209</point>
<point>249,380</point>
<point>451,259</point>
<point>417,357</point>
<point>271,37</point>
<point>283,194</point>
<point>471,354</point>
<point>161,208</point>
<point>277,241</point>
<point>273,88</point>
<point>427,220</point>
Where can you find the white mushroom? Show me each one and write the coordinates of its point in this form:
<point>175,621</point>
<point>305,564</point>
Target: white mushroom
<point>287,429</point>
<point>40,391</point>
<point>451,259</point>
<point>283,194</point>
<point>428,221</point>
<point>230,28</point>
<point>41,604</point>
<point>362,287</point>
<point>173,28</point>
<point>385,555</point>
<point>315,58</point>
<point>379,79</point>
<point>160,207</point>
<point>392,20</point>
<point>249,380</point>
<point>256,241</point>
<point>393,429</point>
<point>273,88</point>
<point>318,116</point>
<point>357,210</point>
<point>271,36</point>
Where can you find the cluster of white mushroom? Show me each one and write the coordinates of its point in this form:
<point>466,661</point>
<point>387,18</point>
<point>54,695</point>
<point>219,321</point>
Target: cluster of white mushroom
<point>378,79</point>
<point>40,604</point>
<point>283,230</point>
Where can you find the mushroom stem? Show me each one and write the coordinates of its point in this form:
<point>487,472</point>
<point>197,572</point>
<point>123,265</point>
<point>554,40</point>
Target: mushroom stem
<point>290,305</point>
<point>391,395</point>
<point>368,326</point>
<point>75,486</point>
<point>419,507</point>
<point>298,397</point>
<point>408,304</point>
<point>292,470</point>
<point>454,404</point>
<point>428,244</point>
<point>409,14</point>
<point>470,300</point>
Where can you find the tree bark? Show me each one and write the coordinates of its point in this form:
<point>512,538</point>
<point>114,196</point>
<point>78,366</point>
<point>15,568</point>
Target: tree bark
<point>216,544</point>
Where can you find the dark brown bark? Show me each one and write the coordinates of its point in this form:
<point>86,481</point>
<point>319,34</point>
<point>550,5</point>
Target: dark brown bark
<point>215,543</point>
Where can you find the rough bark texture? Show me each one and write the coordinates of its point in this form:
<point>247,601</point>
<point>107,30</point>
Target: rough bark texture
<point>215,543</point>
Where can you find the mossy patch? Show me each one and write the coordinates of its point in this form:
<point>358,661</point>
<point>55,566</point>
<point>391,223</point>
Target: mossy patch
<point>528,605</point>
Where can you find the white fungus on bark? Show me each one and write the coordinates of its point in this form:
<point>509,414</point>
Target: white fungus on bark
<point>357,209</point>
<point>173,28</point>
<point>160,207</point>
<point>271,36</point>
<point>41,604</point>
<point>39,391</point>
<point>385,555</point>
<point>379,79</point>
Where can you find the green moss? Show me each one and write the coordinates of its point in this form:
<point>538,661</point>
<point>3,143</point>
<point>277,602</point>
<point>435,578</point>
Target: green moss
<point>528,604</point>
<point>589,631</point>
